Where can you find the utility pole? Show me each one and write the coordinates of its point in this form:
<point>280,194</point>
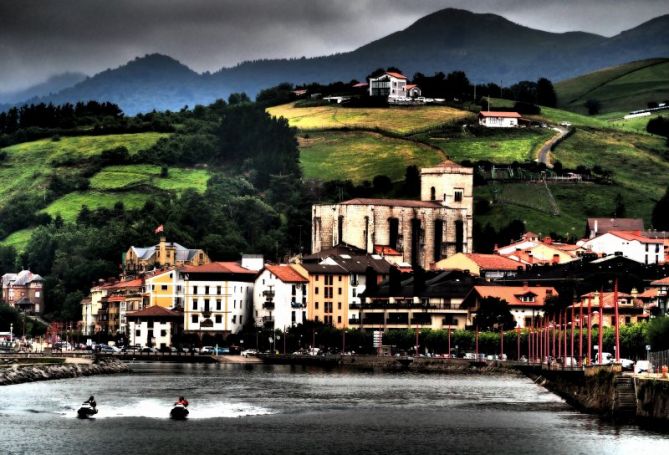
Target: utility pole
<point>601,323</point>
<point>615,303</point>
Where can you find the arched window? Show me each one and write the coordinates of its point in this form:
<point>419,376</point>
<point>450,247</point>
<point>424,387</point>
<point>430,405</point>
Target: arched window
<point>433,194</point>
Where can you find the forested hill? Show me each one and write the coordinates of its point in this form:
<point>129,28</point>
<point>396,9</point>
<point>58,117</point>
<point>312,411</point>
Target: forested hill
<point>489,48</point>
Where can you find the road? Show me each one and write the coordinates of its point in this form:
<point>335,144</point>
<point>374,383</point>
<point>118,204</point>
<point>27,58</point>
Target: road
<point>544,151</point>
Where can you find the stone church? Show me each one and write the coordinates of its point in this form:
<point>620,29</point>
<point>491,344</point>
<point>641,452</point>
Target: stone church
<point>422,232</point>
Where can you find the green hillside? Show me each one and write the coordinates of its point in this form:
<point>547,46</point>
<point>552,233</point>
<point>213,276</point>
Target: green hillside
<point>619,89</point>
<point>29,167</point>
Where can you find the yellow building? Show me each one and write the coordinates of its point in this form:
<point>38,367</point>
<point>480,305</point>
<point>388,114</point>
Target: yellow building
<point>164,289</point>
<point>490,266</point>
<point>328,293</point>
<point>164,254</point>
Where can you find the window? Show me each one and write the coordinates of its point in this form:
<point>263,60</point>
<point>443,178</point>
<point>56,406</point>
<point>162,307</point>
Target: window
<point>138,333</point>
<point>241,320</point>
<point>316,305</point>
<point>433,194</point>
<point>194,304</point>
<point>218,290</point>
<point>338,319</point>
<point>339,291</point>
<point>206,305</point>
<point>327,320</point>
<point>316,318</point>
<point>194,318</point>
<point>316,291</point>
<point>163,333</point>
<point>458,195</point>
<point>234,318</point>
<point>339,277</point>
<point>294,290</point>
<point>194,289</point>
<point>149,324</point>
<point>206,290</point>
<point>328,307</point>
<point>292,317</point>
<point>355,292</point>
<point>218,319</point>
<point>339,305</point>
<point>218,304</point>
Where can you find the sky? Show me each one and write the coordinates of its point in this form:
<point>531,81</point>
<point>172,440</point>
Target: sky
<point>39,38</point>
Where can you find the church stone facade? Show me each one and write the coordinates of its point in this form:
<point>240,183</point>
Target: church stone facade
<point>423,232</point>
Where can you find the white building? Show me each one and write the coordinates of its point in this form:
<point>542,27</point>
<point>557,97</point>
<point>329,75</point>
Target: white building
<point>218,297</point>
<point>390,85</point>
<point>280,297</point>
<point>629,244</point>
<point>499,119</point>
<point>153,326</point>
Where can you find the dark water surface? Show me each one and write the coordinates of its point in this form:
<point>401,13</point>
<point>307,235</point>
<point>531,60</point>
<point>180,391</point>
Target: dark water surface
<point>281,409</point>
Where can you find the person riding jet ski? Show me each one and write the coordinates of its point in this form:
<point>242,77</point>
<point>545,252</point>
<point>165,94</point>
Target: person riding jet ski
<point>88,408</point>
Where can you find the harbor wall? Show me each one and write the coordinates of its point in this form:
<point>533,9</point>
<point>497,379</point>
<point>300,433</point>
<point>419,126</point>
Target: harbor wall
<point>652,399</point>
<point>20,372</point>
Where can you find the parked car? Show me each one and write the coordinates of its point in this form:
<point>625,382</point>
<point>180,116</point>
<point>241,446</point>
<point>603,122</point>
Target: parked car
<point>627,364</point>
<point>105,348</point>
<point>220,351</point>
<point>570,362</point>
<point>249,352</point>
<point>207,350</point>
<point>149,350</point>
<point>642,366</point>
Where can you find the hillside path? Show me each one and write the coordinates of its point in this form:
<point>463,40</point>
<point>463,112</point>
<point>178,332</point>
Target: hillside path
<point>545,149</point>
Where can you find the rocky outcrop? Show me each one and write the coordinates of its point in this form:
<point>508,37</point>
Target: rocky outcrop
<point>19,373</point>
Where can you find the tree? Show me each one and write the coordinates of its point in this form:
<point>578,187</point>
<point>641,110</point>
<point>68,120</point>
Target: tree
<point>620,211</point>
<point>660,216</point>
<point>7,259</point>
<point>658,333</point>
<point>493,314</point>
<point>382,184</point>
<point>546,93</point>
<point>412,181</point>
<point>593,106</point>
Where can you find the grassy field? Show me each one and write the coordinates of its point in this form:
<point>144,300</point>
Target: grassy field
<point>402,120</point>
<point>360,155</point>
<point>70,205</point>
<point>619,89</point>
<point>128,176</point>
<point>29,164</point>
<point>503,147</point>
<point>18,239</point>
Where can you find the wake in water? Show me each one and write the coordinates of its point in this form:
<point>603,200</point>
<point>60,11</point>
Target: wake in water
<point>160,409</point>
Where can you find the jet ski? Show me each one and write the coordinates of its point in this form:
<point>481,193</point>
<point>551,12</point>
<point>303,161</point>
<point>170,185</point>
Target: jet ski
<point>86,411</point>
<point>179,412</point>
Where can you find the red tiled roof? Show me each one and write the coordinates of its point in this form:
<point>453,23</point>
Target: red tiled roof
<point>392,202</point>
<point>499,114</point>
<point>286,273</point>
<point>512,293</point>
<point>386,250</point>
<point>116,298</point>
<point>360,84</point>
<point>154,312</point>
<point>396,75</point>
<point>137,282</point>
<point>607,300</point>
<point>634,236</point>
<point>217,267</point>
<point>493,261</point>
<point>410,86</point>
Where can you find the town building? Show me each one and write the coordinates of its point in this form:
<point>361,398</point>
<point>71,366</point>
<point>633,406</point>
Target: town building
<point>488,266</point>
<point>412,90</point>
<point>629,244</point>
<point>218,297</point>
<point>389,85</point>
<point>164,254</point>
<point>154,326</point>
<point>24,291</point>
<point>280,297</point>
<point>657,297</point>
<point>597,226</point>
<point>423,232</point>
<point>531,250</point>
<point>630,309</point>
<point>120,297</point>
<point>431,300</point>
<point>492,119</point>
<point>328,290</point>
<point>164,288</point>
<point>525,303</point>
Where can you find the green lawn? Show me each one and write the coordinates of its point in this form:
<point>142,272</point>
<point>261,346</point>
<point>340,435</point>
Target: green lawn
<point>128,176</point>
<point>29,164</point>
<point>402,120</point>
<point>360,155</point>
<point>18,239</point>
<point>620,88</point>
<point>70,205</point>
<point>503,147</point>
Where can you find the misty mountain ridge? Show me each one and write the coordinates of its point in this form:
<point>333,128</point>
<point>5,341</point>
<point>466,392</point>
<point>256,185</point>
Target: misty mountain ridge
<point>52,85</point>
<point>488,47</point>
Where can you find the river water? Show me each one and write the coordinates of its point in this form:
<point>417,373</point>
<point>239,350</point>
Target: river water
<point>263,409</point>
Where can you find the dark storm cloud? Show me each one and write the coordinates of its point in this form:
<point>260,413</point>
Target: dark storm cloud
<point>39,37</point>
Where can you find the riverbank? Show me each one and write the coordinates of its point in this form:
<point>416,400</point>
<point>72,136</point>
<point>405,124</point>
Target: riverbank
<point>17,373</point>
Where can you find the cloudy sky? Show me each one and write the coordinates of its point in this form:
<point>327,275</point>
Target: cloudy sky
<point>39,38</point>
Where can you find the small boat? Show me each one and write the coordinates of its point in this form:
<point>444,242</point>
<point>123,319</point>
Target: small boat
<point>179,412</point>
<point>86,411</point>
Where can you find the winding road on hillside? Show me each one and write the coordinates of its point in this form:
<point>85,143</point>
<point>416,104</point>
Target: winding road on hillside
<point>544,151</point>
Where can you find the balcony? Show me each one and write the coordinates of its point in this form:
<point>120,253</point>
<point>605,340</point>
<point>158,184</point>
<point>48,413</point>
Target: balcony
<point>268,305</point>
<point>354,321</point>
<point>298,305</point>
<point>268,319</point>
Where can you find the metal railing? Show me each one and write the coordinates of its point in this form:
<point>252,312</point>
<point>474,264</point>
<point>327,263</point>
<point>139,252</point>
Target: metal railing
<point>658,359</point>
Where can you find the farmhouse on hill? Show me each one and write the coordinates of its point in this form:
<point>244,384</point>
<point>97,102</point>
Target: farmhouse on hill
<point>495,119</point>
<point>393,86</point>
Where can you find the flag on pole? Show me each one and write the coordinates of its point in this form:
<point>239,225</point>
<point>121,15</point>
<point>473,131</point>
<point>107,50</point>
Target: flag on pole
<point>159,229</point>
